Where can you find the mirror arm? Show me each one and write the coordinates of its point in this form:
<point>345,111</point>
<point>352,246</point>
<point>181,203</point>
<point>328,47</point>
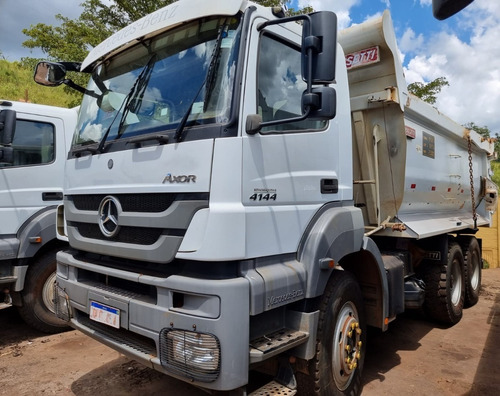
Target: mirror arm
<point>79,88</point>
<point>71,66</point>
<point>252,129</point>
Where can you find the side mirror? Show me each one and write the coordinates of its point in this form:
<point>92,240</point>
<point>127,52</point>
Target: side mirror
<point>322,103</point>
<point>50,74</point>
<point>319,47</point>
<point>443,9</point>
<point>7,126</point>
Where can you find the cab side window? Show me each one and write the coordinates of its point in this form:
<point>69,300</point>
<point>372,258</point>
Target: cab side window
<point>33,143</point>
<point>280,85</point>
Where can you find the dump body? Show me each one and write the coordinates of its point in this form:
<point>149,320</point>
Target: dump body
<point>411,162</point>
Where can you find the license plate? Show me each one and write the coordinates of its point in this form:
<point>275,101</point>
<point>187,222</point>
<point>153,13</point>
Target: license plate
<point>105,314</point>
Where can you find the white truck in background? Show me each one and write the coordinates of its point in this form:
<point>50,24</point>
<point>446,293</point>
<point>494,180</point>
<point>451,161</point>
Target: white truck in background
<point>34,142</point>
<point>246,192</point>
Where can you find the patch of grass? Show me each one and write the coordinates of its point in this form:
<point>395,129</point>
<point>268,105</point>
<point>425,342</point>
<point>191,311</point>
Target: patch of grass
<point>16,83</point>
<point>495,167</point>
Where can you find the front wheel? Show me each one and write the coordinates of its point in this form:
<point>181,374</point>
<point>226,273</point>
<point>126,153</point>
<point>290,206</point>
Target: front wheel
<point>38,308</point>
<point>340,343</point>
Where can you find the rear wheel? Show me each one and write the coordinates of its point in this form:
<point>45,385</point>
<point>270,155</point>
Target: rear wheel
<point>38,308</point>
<point>340,345</point>
<point>445,287</point>
<point>472,259</point>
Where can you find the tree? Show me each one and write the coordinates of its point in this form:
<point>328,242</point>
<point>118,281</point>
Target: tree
<point>428,92</point>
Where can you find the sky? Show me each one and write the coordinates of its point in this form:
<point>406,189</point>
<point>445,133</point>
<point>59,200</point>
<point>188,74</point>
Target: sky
<point>465,49</point>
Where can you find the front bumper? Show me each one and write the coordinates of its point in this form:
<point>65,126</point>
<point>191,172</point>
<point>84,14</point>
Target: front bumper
<point>156,314</point>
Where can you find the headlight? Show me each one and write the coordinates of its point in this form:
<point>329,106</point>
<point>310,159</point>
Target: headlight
<point>191,354</point>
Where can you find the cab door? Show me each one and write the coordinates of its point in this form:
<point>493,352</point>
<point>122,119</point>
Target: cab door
<point>284,166</point>
<point>34,179</point>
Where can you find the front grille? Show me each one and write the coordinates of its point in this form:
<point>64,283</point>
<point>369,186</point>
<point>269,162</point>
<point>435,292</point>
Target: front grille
<point>121,336</point>
<point>135,235</point>
<point>145,203</point>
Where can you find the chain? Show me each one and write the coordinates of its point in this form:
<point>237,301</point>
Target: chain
<point>471,173</point>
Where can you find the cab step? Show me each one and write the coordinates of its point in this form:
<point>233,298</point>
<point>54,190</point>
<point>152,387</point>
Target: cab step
<point>274,388</point>
<point>275,343</point>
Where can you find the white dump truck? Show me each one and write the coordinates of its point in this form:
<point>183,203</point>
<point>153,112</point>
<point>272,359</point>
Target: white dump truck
<point>248,192</point>
<point>34,142</point>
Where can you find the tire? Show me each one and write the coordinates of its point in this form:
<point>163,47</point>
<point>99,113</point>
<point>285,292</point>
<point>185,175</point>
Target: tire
<point>472,271</point>
<point>342,319</point>
<point>445,287</point>
<point>37,297</point>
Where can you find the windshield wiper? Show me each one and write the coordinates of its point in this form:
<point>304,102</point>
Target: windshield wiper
<point>159,137</point>
<point>207,82</point>
<point>132,101</point>
<point>87,147</point>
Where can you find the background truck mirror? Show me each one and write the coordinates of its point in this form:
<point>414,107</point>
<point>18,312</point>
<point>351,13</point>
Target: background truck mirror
<point>7,126</point>
<point>320,35</point>
<point>443,9</point>
<point>253,124</point>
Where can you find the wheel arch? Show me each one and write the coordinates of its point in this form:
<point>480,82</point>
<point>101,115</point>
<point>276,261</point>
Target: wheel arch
<point>367,266</point>
<point>41,225</point>
<point>336,234</point>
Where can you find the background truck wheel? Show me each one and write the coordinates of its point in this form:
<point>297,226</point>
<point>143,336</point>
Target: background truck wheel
<point>472,270</point>
<point>340,345</point>
<point>444,287</point>
<point>37,296</point>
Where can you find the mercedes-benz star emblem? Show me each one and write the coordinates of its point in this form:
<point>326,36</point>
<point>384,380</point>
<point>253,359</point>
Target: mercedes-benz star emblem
<point>108,216</point>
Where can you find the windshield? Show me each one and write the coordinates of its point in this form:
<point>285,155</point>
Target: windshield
<point>184,76</point>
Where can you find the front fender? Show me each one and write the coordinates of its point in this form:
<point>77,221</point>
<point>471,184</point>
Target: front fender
<point>334,233</point>
<point>36,232</point>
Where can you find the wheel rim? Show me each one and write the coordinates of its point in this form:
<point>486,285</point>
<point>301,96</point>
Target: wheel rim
<point>48,293</point>
<point>346,349</point>
<point>456,282</point>
<point>475,271</point>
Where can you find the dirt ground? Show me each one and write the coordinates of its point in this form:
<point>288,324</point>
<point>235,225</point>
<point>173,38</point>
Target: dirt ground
<point>414,357</point>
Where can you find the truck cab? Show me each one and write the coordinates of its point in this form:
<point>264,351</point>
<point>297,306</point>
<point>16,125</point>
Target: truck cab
<point>236,198</point>
<point>34,141</point>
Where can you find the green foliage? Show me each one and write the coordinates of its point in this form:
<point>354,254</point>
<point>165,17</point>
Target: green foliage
<point>427,92</point>
<point>16,83</point>
<point>495,167</point>
<point>483,131</point>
